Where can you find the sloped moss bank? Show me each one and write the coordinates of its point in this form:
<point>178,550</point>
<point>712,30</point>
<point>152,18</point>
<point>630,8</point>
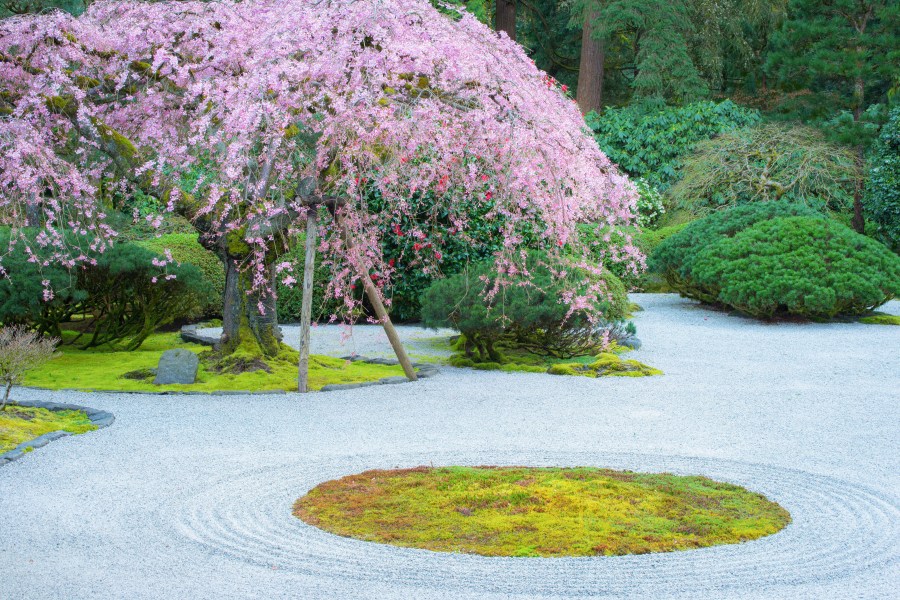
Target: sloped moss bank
<point>546,512</point>
<point>110,369</point>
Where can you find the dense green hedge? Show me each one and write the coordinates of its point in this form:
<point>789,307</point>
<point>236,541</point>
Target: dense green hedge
<point>804,266</point>
<point>777,258</point>
<point>674,258</point>
<point>882,199</point>
<point>533,317</point>
<point>186,249</point>
<point>649,140</point>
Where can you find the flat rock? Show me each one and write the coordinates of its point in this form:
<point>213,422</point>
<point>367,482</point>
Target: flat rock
<point>177,366</point>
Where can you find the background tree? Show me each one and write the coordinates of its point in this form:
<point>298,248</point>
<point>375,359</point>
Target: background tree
<point>505,17</point>
<point>847,52</point>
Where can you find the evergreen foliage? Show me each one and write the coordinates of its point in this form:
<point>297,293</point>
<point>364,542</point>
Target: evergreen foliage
<point>765,163</point>
<point>676,256</point>
<point>185,249</point>
<point>882,200</point>
<point>649,140</point>
<point>126,294</point>
<point>802,266</point>
<point>533,317</point>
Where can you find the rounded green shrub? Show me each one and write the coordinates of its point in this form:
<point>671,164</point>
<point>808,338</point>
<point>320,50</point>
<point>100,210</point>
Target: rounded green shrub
<point>675,256</point>
<point>804,266</point>
<point>530,317</point>
<point>185,248</point>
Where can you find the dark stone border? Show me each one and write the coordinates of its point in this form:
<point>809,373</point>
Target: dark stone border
<point>100,418</point>
<point>425,370</point>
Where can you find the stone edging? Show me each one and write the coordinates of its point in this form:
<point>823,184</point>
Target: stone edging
<point>100,418</point>
<point>425,370</point>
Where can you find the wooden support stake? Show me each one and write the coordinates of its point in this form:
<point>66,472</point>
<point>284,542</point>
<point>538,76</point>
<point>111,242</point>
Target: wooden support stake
<point>309,267</point>
<point>380,311</point>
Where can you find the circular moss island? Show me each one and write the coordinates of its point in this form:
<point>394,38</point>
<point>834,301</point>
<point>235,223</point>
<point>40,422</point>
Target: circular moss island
<point>524,511</point>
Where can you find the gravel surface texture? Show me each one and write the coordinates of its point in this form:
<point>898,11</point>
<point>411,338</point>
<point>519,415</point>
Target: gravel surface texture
<point>189,497</point>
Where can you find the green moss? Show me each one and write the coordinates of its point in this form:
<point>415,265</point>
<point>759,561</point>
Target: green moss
<point>881,319</point>
<point>608,363</point>
<point>236,244</point>
<point>105,369</point>
<point>520,511</point>
<point>20,424</point>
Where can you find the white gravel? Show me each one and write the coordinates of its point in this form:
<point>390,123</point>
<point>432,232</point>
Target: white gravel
<point>189,497</point>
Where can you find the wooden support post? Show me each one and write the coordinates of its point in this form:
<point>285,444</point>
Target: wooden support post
<point>309,267</point>
<point>380,311</point>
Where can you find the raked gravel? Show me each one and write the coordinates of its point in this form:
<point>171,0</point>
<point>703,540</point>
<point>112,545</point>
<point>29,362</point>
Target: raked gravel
<point>189,497</point>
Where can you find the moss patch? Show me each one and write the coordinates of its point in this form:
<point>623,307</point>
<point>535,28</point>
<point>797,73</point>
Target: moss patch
<point>520,511</point>
<point>20,424</point>
<point>109,369</point>
<point>608,363</point>
<point>881,319</point>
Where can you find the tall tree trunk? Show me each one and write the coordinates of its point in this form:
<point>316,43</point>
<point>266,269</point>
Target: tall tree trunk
<point>859,220</point>
<point>242,321</point>
<point>590,71</point>
<point>505,17</point>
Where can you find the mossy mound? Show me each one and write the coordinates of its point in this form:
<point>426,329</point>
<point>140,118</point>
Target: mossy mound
<point>20,424</point>
<point>521,511</point>
<point>881,319</point>
<point>607,364</point>
<point>110,369</point>
<point>513,359</point>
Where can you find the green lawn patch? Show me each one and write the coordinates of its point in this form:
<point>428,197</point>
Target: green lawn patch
<point>521,511</point>
<point>881,319</point>
<point>105,369</point>
<point>20,424</point>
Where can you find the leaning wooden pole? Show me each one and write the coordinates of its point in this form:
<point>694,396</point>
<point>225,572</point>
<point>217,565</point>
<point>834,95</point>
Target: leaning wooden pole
<point>380,311</point>
<point>309,267</point>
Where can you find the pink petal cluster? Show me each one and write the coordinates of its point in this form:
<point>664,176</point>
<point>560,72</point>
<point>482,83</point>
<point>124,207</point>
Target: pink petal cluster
<point>233,104</point>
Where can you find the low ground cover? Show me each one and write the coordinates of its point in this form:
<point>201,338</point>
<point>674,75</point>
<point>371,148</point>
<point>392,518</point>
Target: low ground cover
<point>512,358</point>
<point>20,424</point>
<point>105,368</point>
<point>521,511</point>
<point>881,319</point>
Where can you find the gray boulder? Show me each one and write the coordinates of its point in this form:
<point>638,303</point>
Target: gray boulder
<point>177,366</point>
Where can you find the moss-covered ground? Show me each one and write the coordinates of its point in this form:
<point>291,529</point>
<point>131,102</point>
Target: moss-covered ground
<point>609,363</point>
<point>520,511</point>
<point>881,319</point>
<point>21,424</point>
<point>104,369</point>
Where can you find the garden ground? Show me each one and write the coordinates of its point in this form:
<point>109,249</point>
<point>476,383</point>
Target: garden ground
<point>190,496</point>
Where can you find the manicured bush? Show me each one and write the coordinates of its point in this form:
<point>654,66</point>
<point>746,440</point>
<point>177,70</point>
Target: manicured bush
<point>804,266</point>
<point>533,318</point>
<point>649,140</point>
<point>122,298</point>
<point>185,249</point>
<point>129,297</point>
<point>767,163</point>
<point>674,258</point>
<point>882,199</point>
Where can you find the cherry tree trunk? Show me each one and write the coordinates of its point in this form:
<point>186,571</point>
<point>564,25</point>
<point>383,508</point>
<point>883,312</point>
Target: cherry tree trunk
<point>590,71</point>
<point>505,17</point>
<point>249,317</point>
